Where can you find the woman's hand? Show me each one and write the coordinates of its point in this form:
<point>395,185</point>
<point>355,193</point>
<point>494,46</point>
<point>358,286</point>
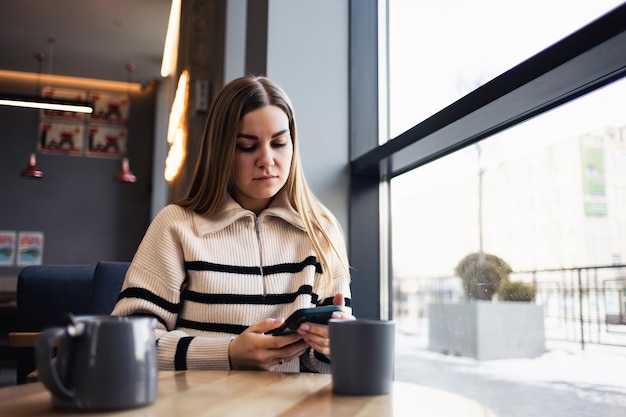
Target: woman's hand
<point>316,335</point>
<point>253,349</point>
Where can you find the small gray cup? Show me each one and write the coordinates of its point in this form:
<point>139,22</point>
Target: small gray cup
<point>362,356</point>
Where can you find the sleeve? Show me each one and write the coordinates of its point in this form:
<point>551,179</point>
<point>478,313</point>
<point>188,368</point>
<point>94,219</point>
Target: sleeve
<point>153,286</point>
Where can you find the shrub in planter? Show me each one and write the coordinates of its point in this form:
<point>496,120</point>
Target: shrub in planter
<point>482,274</point>
<point>516,291</point>
<point>482,329</point>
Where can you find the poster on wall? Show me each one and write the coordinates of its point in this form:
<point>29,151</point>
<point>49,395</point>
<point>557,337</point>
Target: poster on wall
<point>7,247</point>
<point>30,248</point>
<point>64,138</point>
<point>109,108</point>
<point>106,140</point>
<point>64,94</point>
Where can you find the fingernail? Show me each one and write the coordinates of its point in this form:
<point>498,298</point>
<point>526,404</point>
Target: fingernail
<point>337,315</point>
<point>305,327</point>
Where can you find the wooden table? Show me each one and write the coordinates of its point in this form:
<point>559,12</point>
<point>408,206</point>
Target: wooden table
<point>257,394</point>
<point>23,339</point>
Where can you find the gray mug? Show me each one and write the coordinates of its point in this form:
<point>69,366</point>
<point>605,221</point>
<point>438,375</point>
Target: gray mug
<point>102,363</point>
<point>362,356</point>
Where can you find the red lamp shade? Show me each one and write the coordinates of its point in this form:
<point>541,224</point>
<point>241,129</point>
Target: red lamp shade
<point>124,174</point>
<point>31,170</point>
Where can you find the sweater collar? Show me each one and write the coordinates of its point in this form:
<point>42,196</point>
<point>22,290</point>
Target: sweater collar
<point>230,212</point>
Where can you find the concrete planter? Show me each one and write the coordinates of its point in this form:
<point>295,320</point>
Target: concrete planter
<point>487,330</point>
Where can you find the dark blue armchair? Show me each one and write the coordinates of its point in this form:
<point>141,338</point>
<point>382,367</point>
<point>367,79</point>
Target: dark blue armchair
<point>46,293</point>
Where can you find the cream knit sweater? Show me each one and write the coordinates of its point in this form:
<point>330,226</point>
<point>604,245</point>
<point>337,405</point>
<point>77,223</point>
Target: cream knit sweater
<point>206,279</point>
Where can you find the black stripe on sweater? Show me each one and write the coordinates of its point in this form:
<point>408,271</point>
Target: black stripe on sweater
<point>180,359</point>
<point>188,295</point>
<point>292,268</point>
<point>142,293</point>
<point>321,357</point>
<point>230,269</point>
<point>211,327</point>
<point>255,270</point>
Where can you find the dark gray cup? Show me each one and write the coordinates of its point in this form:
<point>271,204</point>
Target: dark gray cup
<point>362,356</point>
<point>102,363</point>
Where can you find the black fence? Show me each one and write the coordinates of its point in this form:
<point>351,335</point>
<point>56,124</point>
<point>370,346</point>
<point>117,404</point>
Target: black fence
<point>585,305</point>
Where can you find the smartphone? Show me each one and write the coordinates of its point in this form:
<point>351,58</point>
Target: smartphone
<point>312,315</point>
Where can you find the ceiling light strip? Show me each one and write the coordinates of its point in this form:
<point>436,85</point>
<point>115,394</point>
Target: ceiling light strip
<point>54,105</point>
<point>74,82</point>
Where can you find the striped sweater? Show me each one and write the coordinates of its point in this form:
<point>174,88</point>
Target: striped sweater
<point>207,278</point>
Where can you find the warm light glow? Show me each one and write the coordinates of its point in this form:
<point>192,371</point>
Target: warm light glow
<point>46,106</point>
<point>175,156</point>
<point>62,80</point>
<point>170,49</point>
<point>177,129</point>
<point>179,106</point>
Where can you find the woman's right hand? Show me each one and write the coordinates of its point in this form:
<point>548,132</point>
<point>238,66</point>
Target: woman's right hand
<point>253,349</point>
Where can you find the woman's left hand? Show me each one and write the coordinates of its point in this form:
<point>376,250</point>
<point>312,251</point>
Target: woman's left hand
<point>316,335</point>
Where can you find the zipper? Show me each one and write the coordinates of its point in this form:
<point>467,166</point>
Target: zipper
<point>257,227</point>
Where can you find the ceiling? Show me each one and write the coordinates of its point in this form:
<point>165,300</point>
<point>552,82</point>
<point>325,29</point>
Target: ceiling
<point>92,38</point>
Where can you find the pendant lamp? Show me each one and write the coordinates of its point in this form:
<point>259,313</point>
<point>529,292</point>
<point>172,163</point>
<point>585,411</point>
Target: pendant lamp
<point>125,174</point>
<point>32,170</point>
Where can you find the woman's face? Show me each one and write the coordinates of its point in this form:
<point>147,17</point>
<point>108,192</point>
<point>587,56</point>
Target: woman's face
<point>262,157</point>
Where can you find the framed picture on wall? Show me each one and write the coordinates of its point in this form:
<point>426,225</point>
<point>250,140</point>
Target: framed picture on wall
<point>109,108</point>
<point>7,247</point>
<point>106,140</point>
<point>63,138</point>
<point>65,94</point>
<point>29,248</point>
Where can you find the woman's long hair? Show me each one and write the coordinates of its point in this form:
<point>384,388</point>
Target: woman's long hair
<point>213,172</point>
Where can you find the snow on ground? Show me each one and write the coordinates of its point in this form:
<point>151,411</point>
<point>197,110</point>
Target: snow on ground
<point>597,373</point>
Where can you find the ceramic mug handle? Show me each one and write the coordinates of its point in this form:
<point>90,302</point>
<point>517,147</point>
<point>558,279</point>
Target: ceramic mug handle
<point>47,370</point>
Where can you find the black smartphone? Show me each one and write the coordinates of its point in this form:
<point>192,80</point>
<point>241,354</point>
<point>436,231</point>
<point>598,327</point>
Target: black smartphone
<point>312,315</point>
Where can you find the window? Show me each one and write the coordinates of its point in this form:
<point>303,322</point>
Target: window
<point>516,153</point>
<point>441,50</point>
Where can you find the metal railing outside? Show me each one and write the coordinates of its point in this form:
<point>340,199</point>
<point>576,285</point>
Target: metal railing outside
<point>585,305</point>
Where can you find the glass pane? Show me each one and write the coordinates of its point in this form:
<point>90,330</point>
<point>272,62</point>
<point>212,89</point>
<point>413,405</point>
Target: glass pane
<point>441,50</point>
<point>547,197</point>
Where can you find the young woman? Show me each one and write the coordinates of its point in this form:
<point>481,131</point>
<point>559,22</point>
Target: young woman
<point>248,246</point>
